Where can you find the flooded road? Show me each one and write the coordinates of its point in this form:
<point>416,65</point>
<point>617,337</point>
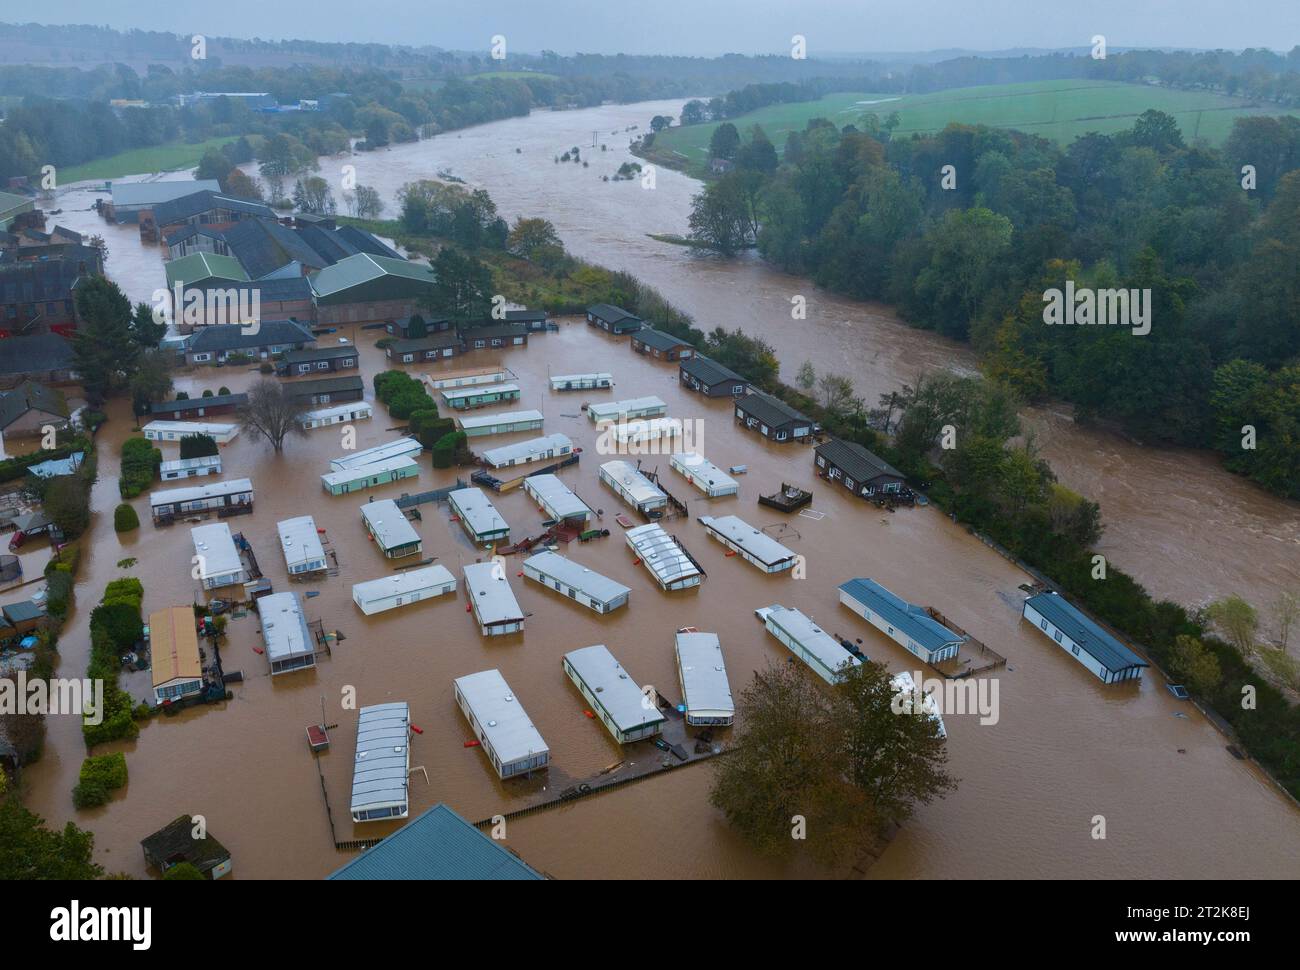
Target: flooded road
<point>1064,750</point>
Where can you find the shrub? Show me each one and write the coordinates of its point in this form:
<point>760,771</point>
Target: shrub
<point>100,775</point>
<point>88,794</point>
<point>120,620</point>
<point>140,461</point>
<point>198,445</point>
<point>67,502</point>
<point>207,392</point>
<point>448,449</point>
<point>58,592</point>
<point>125,519</point>
<point>182,871</point>
<point>266,367</point>
<point>223,391</point>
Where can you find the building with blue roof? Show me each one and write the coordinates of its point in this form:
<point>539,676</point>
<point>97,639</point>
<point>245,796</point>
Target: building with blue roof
<point>438,844</point>
<point>1083,638</point>
<point>907,624</point>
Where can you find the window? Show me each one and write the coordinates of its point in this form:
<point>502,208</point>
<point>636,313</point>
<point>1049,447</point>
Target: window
<point>849,484</point>
<point>202,358</point>
<point>1057,636</point>
<point>1043,624</point>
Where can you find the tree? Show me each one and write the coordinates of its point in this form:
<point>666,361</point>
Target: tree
<point>693,112</point>
<point>125,518</point>
<point>807,377</point>
<point>151,380</point>
<point>272,410</point>
<point>1196,665</point>
<point>367,202</point>
<point>28,850</point>
<point>103,350</point>
<point>837,395</point>
<point>1237,620</point>
<point>529,236</point>
<point>67,503</point>
<point>243,186</point>
<point>1286,613</point>
<point>183,871</point>
<point>659,122</point>
<point>462,288</point>
<point>724,142</point>
<point>146,329</point>
<point>198,446</point>
<point>313,194</point>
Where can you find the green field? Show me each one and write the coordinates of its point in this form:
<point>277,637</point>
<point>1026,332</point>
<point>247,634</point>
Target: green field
<point>1058,110</point>
<point>170,157</point>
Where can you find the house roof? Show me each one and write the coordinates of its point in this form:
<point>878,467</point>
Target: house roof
<point>490,329</point>
<point>35,353</point>
<point>11,204</point>
<point>176,841</point>
<point>20,611</point>
<point>856,462</point>
<point>913,620</point>
<point>331,385</point>
<point>233,337</point>
<point>290,289</point>
<point>263,246</point>
<point>437,844</point>
<point>659,339</point>
<point>526,315</point>
<point>174,645</point>
<point>435,341</point>
<point>365,268</point>
<point>502,720</point>
<point>710,372</point>
<point>38,281</point>
<point>769,410</point>
<point>1071,621</point>
<point>187,206</point>
<point>30,396</point>
<point>147,194</point>
<point>610,313</point>
<point>197,403</point>
<point>203,266</point>
<point>319,353</point>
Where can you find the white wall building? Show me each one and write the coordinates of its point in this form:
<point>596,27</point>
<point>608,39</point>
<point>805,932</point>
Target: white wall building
<point>501,725</point>
<point>402,589</point>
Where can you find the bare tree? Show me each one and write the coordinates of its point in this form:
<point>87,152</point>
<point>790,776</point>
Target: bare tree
<point>1286,612</point>
<point>273,410</point>
<point>837,394</point>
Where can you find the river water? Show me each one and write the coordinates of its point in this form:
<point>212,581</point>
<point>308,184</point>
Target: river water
<point>1064,750</point>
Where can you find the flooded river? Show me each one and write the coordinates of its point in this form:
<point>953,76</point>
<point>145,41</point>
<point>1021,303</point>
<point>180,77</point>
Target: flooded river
<point>1064,750</point>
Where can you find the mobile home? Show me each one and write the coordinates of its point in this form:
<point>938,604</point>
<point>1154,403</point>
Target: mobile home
<point>381,770</point>
<point>637,407</point>
<point>582,382</point>
<point>300,542</point>
<point>703,474</point>
<point>506,422</point>
<point>627,482</point>
<point>237,493</point>
<point>628,435</point>
<point>556,500</point>
<point>368,476</point>
<point>338,414</point>
<point>1085,640</point>
<point>287,640</point>
<point>534,449</point>
<point>772,418</point>
<point>577,582</point>
<point>907,624</point>
<point>614,697</point>
<point>500,723</point>
<point>399,448</point>
<point>670,564</point>
<point>222,434</point>
<point>170,471</point>
<point>402,589</point>
<point>478,516</point>
<point>464,398</point>
<point>706,692</point>
<point>493,602</point>
<point>217,557</point>
<point>388,526</point>
<point>465,378</point>
<point>749,543</point>
<point>809,642</point>
<point>174,654</point>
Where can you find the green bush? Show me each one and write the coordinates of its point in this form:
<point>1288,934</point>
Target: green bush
<point>120,620</point>
<point>140,461</point>
<point>100,776</point>
<point>403,394</point>
<point>198,445</point>
<point>125,519</point>
<point>426,427</point>
<point>89,794</point>
<point>183,871</point>
<point>448,449</point>
<point>58,592</point>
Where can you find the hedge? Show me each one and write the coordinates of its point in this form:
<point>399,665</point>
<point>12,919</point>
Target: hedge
<point>448,449</point>
<point>140,461</point>
<point>403,393</point>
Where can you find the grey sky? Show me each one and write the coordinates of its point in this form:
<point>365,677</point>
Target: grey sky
<point>709,26</point>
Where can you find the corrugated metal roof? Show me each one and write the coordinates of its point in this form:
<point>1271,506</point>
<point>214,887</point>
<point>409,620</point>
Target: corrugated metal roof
<point>1071,621</point>
<point>383,759</point>
<point>439,844</point>
<point>173,645</point>
<point>363,268</point>
<point>914,622</point>
<point>661,554</point>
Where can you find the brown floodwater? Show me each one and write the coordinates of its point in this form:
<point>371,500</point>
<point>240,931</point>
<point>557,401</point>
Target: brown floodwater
<point>1064,750</point>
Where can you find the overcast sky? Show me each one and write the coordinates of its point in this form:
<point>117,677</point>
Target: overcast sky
<point>707,26</point>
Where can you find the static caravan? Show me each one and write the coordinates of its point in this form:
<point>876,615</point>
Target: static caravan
<point>577,582</point>
<point>478,516</point>
<point>507,422</point>
<point>382,768</point>
<point>504,731</point>
<point>287,640</point>
<point>369,476</point>
<point>174,654</point>
<point>670,564</point>
<point>300,542</point>
<point>217,557</point>
<point>706,692</point>
<point>402,589</point>
<point>614,696</point>
<point>464,398</point>
<point>465,378</point>
<point>637,407</point>
<point>494,604</point>
<point>400,448</point>
<point>703,474</point>
<point>534,449</point>
<point>809,642</point>
<point>388,526</point>
<point>582,382</point>
<point>907,624</point>
<point>237,493</point>
<point>627,482</point>
<point>1086,641</point>
<point>170,471</point>
<point>338,414</point>
<point>556,500</point>
<point>222,434</point>
<point>749,543</point>
<point>912,696</point>
<point>629,435</point>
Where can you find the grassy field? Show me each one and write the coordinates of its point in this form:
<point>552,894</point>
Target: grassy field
<point>161,158</point>
<point>1058,110</point>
